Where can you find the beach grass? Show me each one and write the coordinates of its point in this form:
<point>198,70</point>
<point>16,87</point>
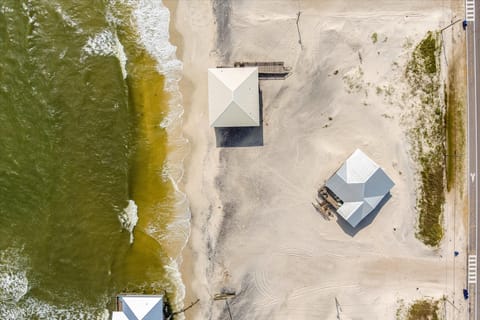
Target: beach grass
<point>455,128</point>
<point>423,310</point>
<point>428,136</point>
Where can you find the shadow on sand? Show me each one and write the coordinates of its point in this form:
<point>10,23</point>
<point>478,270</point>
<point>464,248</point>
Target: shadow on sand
<point>351,231</point>
<point>229,137</point>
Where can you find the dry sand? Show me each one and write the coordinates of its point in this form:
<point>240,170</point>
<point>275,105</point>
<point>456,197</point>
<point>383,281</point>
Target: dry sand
<point>254,229</point>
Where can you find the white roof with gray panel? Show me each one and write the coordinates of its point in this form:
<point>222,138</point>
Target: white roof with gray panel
<point>139,307</point>
<point>361,184</point>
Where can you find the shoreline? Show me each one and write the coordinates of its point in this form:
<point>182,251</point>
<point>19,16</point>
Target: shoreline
<point>185,255</point>
<point>164,218</point>
<point>253,230</point>
<point>189,20</point>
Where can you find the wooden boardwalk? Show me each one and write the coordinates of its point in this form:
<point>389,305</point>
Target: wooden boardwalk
<point>274,70</point>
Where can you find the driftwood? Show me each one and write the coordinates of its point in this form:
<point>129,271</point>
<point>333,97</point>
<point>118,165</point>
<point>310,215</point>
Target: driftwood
<point>298,30</point>
<point>223,296</point>
<point>183,310</point>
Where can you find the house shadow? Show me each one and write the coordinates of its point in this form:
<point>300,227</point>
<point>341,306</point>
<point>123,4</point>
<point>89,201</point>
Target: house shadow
<point>230,137</point>
<point>351,231</point>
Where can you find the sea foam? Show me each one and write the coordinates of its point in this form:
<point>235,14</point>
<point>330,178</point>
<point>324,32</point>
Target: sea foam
<point>17,304</point>
<point>106,43</point>
<point>13,275</point>
<point>32,308</point>
<point>129,218</point>
<point>152,21</point>
<point>69,21</point>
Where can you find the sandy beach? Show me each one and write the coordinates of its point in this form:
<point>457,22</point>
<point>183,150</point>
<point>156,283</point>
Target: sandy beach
<point>254,231</point>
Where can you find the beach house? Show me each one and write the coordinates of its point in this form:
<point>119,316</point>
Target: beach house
<point>233,98</point>
<point>358,186</point>
<point>139,307</point>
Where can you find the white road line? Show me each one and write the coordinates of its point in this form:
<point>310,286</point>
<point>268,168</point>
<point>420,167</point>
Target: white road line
<point>470,10</point>
<point>472,269</point>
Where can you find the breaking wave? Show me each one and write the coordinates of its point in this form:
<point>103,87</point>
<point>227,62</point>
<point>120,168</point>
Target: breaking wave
<point>15,303</point>
<point>13,276</point>
<point>31,308</point>
<point>106,43</point>
<point>129,218</point>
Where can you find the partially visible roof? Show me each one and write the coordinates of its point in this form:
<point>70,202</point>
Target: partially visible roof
<point>233,97</point>
<point>139,307</point>
<point>361,184</point>
<point>117,315</point>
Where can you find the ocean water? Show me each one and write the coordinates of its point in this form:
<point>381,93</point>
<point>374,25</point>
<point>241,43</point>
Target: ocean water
<point>90,153</point>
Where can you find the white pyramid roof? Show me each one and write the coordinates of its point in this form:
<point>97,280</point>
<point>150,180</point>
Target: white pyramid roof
<point>140,307</point>
<point>361,184</point>
<point>233,99</point>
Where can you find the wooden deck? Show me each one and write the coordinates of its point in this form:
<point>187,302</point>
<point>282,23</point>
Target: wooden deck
<point>326,203</point>
<point>272,70</point>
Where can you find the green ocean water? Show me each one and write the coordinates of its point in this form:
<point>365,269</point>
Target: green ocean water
<point>78,140</point>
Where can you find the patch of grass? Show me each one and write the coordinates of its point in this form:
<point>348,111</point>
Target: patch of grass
<point>400,310</point>
<point>428,136</point>
<point>374,37</point>
<point>431,200</point>
<point>423,310</point>
<point>424,60</point>
<point>428,52</point>
<point>455,128</point>
<point>451,150</point>
<point>354,80</point>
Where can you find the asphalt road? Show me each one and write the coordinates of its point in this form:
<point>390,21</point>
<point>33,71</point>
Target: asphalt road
<point>473,99</point>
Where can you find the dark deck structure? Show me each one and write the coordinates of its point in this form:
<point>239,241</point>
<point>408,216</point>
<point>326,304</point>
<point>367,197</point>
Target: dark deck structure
<point>327,202</point>
<point>267,70</point>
